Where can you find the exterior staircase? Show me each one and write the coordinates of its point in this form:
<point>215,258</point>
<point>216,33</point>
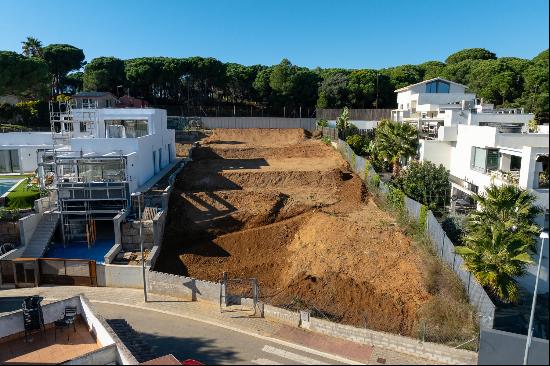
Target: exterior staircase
<point>41,236</point>
<point>136,342</point>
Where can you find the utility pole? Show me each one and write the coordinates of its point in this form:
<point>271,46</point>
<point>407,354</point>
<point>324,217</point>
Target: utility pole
<point>376,89</point>
<point>543,236</point>
<point>138,195</point>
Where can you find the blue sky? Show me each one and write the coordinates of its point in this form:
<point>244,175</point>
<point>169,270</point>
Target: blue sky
<point>339,33</point>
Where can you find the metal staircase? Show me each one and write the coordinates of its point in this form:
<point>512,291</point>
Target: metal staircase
<point>42,236</point>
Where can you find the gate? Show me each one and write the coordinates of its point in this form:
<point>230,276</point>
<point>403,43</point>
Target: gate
<point>239,294</point>
<point>31,272</point>
<point>75,272</point>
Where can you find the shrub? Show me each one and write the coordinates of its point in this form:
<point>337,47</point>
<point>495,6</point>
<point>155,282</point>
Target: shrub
<point>322,123</point>
<point>454,226</point>
<point>360,144</point>
<point>396,197</point>
<point>326,140</point>
<point>426,183</point>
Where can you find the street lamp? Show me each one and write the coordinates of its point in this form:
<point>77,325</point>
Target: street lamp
<point>543,236</point>
<point>138,196</point>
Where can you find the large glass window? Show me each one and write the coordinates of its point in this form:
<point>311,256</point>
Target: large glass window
<point>479,158</point>
<point>125,128</point>
<point>9,161</point>
<point>437,86</point>
<point>484,159</point>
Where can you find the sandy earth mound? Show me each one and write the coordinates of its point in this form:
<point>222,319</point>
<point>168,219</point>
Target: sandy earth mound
<point>277,206</point>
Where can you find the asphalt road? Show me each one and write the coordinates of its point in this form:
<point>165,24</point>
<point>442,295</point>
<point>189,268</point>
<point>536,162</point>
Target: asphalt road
<point>185,338</point>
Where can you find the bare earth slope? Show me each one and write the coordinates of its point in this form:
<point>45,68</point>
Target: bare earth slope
<point>277,206</point>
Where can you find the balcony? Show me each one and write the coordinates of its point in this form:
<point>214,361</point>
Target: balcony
<point>509,177</point>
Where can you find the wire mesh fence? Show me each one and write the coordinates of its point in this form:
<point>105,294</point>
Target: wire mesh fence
<point>442,244</point>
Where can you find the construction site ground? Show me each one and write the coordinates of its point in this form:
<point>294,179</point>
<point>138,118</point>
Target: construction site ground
<point>285,209</point>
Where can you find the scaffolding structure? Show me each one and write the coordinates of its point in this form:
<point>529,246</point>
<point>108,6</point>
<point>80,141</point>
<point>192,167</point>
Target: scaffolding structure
<point>89,186</point>
<point>65,119</point>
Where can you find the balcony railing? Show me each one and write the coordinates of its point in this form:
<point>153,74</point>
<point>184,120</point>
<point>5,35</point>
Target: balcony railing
<point>511,177</point>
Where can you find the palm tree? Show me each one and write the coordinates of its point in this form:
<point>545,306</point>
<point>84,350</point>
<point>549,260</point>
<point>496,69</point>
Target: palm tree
<point>394,141</point>
<point>496,257</point>
<point>500,238</point>
<point>32,47</point>
<point>511,206</point>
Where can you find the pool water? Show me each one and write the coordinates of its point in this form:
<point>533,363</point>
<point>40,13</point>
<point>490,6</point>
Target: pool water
<point>6,184</point>
<point>80,250</point>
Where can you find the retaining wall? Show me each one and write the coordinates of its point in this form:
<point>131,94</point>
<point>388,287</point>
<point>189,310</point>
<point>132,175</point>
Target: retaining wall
<point>181,286</point>
<point>130,239</point>
<point>115,275</point>
<point>27,226</point>
<point>410,346</point>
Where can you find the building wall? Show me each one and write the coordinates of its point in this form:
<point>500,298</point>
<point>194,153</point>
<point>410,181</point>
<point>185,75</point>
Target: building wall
<point>438,152</point>
<point>139,151</point>
<point>27,144</point>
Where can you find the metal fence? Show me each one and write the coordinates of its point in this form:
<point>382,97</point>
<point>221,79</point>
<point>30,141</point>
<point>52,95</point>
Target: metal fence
<point>355,114</point>
<point>308,124</point>
<point>442,244</point>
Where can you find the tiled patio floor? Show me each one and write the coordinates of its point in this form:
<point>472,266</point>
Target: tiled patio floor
<point>44,349</point>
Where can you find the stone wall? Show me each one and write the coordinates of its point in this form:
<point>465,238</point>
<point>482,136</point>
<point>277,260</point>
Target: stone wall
<point>9,232</point>
<point>130,235</point>
<point>181,286</point>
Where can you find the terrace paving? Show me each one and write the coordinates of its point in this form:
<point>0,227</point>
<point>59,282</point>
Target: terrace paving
<point>44,349</point>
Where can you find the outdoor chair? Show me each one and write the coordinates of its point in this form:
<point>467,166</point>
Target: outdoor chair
<point>68,319</point>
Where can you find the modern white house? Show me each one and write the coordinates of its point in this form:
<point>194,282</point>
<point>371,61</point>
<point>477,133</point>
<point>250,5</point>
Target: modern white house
<point>105,155</point>
<point>92,161</point>
<point>18,150</point>
<point>479,145</point>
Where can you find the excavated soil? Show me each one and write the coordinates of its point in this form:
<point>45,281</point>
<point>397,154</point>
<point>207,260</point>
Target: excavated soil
<point>280,207</point>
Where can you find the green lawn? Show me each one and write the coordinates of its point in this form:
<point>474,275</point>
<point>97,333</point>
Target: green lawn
<point>21,197</point>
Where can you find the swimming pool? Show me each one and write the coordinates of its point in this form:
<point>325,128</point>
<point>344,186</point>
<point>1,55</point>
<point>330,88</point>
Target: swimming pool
<point>6,184</point>
<point>80,250</point>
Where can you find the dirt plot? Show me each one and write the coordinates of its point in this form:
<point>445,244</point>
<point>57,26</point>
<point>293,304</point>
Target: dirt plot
<point>285,209</point>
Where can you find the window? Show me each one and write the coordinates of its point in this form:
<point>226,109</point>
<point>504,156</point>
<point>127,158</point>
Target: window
<point>87,103</point>
<point>515,162</point>
<point>9,161</point>
<point>82,126</point>
<point>437,86</point>
<point>125,128</point>
<point>484,159</point>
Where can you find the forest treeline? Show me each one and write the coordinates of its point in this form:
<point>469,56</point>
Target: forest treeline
<point>40,72</point>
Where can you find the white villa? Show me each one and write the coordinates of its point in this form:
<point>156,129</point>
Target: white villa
<point>93,160</point>
<point>478,144</point>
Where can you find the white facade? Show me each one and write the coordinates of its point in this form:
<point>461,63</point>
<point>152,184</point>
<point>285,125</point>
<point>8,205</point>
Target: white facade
<point>146,154</point>
<point>502,158</point>
<point>18,150</point>
<point>479,145</point>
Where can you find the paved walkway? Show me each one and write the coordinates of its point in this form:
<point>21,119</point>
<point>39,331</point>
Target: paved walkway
<point>279,342</point>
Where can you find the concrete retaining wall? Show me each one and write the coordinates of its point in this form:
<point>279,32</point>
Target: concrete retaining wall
<point>111,254</point>
<point>27,226</point>
<point>114,275</point>
<point>181,286</point>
